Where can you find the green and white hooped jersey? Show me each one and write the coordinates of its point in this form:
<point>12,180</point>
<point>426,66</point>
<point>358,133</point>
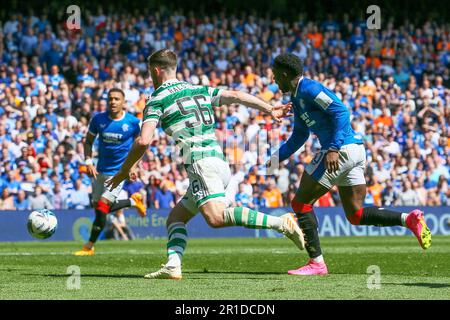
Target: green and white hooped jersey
<point>186,114</point>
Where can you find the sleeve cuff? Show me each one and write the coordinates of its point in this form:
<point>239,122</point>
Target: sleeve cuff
<point>151,119</point>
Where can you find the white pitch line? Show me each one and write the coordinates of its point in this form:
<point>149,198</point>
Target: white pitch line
<point>212,252</point>
<point>287,250</point>
<point>67,253</point>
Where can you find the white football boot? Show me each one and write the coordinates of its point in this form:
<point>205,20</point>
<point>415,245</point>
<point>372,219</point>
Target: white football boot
<point>291,230</point>
<point>166,272</point>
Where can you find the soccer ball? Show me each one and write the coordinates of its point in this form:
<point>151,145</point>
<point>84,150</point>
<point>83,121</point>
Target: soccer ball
<point>42,223</point>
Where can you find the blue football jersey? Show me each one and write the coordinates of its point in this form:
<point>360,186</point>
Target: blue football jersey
<point>318,110</point>
<point>115,140</point>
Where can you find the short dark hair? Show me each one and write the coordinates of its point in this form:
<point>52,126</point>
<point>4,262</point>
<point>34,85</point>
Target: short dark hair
<point>290,63</point>
<point>164,58</point>
<point>116,90</point>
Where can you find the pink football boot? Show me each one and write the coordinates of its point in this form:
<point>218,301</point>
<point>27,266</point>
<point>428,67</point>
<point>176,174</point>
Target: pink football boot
<point>311,269</point>
<point>416,223</point>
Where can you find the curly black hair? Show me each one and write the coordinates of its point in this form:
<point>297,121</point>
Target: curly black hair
<point>290,63</point>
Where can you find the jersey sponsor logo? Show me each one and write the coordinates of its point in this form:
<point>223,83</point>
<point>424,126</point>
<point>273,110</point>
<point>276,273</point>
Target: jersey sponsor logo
<point>323,100</point>
<point>110,137</point>
<point>308,121</point>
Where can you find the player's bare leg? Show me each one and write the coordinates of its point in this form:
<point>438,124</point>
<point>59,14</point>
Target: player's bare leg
<point>302,204</point>
<point>217,215</point>
<point>177,241</point>
<point>352,198</point>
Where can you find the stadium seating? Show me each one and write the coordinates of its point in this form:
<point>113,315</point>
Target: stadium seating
<point>52,80</point>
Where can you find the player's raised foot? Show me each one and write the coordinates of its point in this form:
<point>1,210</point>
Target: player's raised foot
<point>140,206</point>
<point>166,272</point>
<point>86,251</point>
<point>291,230</point>
<point>416,223</point>
<point>311,269</point>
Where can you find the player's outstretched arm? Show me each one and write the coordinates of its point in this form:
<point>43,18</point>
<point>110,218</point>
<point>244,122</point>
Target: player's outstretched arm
<point>138,149</point>
<point>91,169</point>
<point>298,137</point>
<point>277,112</point>
<point>295,141</point>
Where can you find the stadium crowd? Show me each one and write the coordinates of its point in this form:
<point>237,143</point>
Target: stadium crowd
<point>395,82</point>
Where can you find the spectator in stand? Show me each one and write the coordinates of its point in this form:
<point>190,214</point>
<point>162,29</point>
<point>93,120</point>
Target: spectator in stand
<point>39,201</point>
<point>59,197</point>
<point>243,199</point>
<point>259,202</point>
<point>52,82</point>
<point>272,195</point>
<point>117,228</point>
<point>6,200</point>
<point>79,197</point>
<point>164,198</point>
<point>21,202</point>
<point>408,196</point>
<point>326,200</point>
<point>388,196</point>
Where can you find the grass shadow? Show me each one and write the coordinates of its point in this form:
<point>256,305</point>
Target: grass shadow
<point>262,273</point>
<point>86,275</point>
<point>239,275</point>
<point>131,276</point>
<point>421,284</point>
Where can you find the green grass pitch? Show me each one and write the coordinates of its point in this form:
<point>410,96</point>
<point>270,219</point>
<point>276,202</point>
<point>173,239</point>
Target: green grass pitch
<point>237,269</point>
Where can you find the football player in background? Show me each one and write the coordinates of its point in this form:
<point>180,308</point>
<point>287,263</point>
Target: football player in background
<point>117,131</point>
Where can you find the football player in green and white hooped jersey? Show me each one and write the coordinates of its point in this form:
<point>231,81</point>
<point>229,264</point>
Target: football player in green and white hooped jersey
<point>185,113</point>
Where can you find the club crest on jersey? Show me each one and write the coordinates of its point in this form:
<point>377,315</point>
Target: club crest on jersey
<point>102,125</point>
<point>125,127</point>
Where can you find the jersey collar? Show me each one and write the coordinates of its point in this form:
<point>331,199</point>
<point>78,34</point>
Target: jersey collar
<point>121,118</point>
<point>298,86</point>
<point>170,82</point>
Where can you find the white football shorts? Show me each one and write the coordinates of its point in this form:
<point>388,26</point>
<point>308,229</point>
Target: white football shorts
<point>208,178</point>
<point>352,164</point>
<point>99,189</point>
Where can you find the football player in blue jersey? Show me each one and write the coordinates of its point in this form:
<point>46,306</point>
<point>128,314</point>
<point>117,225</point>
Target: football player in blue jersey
<point>341,161</point>
<point>117,131</point>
